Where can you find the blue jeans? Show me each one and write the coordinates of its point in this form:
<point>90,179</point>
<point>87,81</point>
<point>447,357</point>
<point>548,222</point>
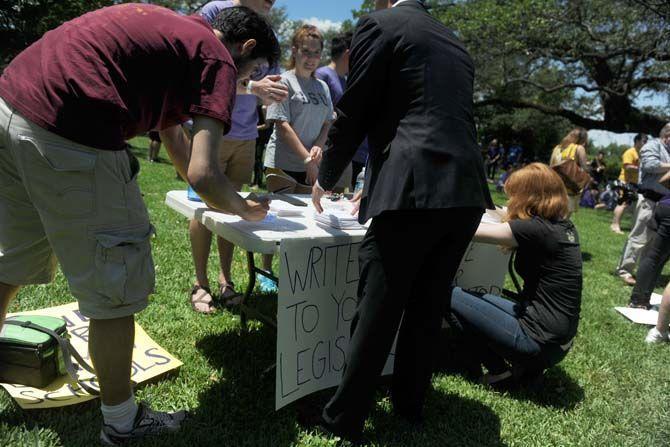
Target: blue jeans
<point>493,324</point>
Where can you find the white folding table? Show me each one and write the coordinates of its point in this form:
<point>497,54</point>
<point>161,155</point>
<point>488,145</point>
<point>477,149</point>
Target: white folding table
<point>259,237</point>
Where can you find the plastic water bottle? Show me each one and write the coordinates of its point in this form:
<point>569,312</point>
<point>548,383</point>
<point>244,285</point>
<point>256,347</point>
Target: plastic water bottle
<point>360,181</point>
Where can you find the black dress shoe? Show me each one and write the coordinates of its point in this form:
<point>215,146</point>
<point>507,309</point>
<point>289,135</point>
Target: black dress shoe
<point>349,438</point>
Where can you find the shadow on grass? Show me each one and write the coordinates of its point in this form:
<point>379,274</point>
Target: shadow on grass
<point>586,256</point>
<point>238,408</point>
<point>450,419</point>
<point>245,399</point>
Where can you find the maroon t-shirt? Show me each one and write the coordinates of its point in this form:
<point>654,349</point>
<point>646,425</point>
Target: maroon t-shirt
<point>120,71</point>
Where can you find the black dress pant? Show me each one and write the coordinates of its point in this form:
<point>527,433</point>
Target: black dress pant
<point>408,260</point>
<point>656,254</point>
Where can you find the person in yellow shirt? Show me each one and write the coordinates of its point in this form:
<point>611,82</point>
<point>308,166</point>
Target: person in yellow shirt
<point>630,172</point>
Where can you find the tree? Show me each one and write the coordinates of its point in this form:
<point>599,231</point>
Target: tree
<point>660,7</point>
<point>588,61</point>
<point>24,21</point>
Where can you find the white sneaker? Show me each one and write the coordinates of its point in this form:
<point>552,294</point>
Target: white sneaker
<point>147,423</point>
<point>654,336</point>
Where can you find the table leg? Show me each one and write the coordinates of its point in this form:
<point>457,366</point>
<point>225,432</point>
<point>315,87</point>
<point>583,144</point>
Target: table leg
<point>246,310</point>
<point>251,267</point>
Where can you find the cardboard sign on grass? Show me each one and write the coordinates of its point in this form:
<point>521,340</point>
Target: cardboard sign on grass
<point>317,302</point>
<point>149,362</point>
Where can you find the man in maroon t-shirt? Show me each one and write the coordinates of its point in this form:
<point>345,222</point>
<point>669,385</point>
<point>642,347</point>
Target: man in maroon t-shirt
<point>68,189</point>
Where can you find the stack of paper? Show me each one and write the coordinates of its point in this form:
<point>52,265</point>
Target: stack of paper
<point>338,215</point>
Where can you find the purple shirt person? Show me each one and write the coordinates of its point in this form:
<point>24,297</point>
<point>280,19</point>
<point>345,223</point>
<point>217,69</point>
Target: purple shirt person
<point>236,157</point>
<point>334,75</point>
<point>336,83</point>
<point>245,113</point>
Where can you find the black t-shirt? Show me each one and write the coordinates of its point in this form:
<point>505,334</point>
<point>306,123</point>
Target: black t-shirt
<point>598,175</point>
<point>550,262</point>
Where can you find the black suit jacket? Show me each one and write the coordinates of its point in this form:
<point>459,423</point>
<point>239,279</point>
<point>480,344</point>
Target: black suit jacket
<point>410,91</point>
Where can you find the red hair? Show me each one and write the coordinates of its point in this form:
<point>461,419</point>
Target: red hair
<point>536,190</point>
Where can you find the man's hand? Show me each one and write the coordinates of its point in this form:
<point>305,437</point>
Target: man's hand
<point>317,154</point>
<point>255,211</point>
<point>356,202</point>
<point>317,193</point>
<point>270,90</point>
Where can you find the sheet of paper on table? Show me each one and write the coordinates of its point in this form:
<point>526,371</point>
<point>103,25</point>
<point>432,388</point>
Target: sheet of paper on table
<point>285,209</point>
<point>642,316</point>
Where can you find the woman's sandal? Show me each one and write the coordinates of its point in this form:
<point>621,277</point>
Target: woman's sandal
<point>201,300</point>
<point>228,296</point>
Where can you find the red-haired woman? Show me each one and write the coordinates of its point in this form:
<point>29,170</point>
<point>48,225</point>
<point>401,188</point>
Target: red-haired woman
<point>528,336</point>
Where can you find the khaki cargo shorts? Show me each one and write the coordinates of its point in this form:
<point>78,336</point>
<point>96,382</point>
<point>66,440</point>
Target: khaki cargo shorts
<point>236,161</point>
<point>81,207</point>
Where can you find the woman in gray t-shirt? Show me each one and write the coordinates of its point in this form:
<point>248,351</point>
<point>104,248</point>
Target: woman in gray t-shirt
<point>303,120</point>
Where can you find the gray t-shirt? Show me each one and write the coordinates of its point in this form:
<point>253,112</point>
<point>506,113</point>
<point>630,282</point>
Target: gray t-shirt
<point>307,108</point>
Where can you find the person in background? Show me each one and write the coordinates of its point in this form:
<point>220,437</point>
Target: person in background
<point>654,163</point>
<point>572,147</point>
<point>518,340</point>
<point>656,252</point>
<point>598,168</point>
<point>590,196</point>
<point>335,76</point>
<point>514,155</point>
<point>264,133</point>
<point>500,184</point>
<point>69,193</point>
<point>302,121</point>
<point>236,161</point>
<point>425,191</point>
<point>630,175</point>
<point>213,8</point>
<point>493,156</point>
<point>154,145</point>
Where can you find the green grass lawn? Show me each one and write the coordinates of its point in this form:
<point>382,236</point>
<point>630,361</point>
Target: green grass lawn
<point>611,390</point>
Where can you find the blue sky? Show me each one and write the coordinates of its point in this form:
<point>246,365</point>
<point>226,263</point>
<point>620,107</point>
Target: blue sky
<point>333,10</point>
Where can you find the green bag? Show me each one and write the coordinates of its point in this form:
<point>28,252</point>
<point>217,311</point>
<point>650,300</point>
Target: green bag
<point>35,350</point>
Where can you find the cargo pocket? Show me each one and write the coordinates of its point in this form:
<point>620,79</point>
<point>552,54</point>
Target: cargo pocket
<point>123,264</point>
<point>60,179</point>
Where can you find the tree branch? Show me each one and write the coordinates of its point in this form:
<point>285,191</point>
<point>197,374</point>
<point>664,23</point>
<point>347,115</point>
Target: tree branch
<point>639,82</point>
<point>568,85</point>
<point>575,118</point>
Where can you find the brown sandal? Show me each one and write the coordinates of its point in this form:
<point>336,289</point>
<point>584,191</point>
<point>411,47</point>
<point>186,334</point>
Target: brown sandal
<point>202,300</point>
<point>228,296</point>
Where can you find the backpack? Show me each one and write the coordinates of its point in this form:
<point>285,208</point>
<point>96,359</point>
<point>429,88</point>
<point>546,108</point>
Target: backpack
<point>35,350</point>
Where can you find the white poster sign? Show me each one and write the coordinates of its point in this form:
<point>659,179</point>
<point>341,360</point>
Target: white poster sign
<point>317,302</point>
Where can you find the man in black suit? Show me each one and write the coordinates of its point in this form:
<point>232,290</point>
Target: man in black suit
<point>410,90</point>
